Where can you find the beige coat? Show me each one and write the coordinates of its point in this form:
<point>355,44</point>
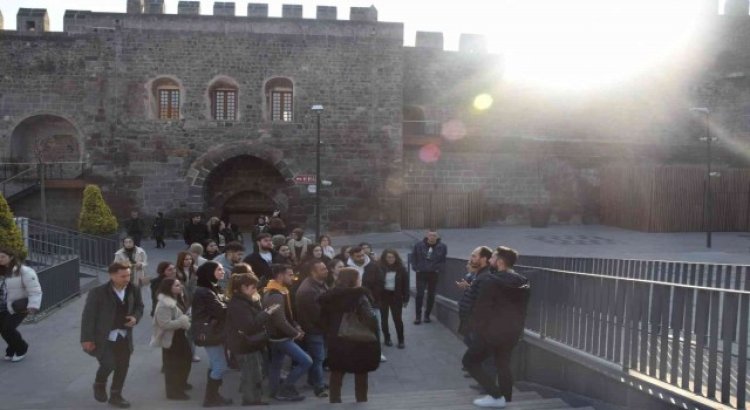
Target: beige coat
<point>138,274</point>
<point>167,318</point>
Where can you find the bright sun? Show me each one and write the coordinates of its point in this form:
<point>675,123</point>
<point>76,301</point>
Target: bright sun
<point>579,44</point>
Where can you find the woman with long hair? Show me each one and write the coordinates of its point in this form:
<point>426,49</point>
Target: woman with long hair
<point>212,250</point>
<point>346,355</point>
<point>395,295</point>
<point>170,333</point>
<point>246,335</point>
<point>334,267</point>
<point>325,242</point>
<point>136,257</point>
<point>20,295</point>
<point>186,273</point>
<point>164,270</point>
<point>209,307</point>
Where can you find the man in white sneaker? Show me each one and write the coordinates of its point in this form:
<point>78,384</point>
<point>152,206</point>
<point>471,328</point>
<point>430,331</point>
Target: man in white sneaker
<point>497,321</point>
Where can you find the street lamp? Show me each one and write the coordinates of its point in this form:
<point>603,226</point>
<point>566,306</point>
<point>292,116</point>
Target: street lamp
<point>707,208</point>
<point>317,108</point>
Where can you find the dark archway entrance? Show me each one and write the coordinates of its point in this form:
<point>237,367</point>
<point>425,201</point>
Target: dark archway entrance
<point>244,187</point>
<point>48,138</point>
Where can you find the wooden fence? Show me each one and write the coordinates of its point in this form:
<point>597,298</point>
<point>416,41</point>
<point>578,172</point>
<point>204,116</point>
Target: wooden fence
<point>439,209</point>
<point>671,199</point>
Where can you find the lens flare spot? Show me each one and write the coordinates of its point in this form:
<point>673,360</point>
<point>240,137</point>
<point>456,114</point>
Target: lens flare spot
<point>483,102</point>
<point>453,130</point>
<point>429,153</point>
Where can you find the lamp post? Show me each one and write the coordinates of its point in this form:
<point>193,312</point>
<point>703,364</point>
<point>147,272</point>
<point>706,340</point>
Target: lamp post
<point>317,108</point>
<point>707,205</point>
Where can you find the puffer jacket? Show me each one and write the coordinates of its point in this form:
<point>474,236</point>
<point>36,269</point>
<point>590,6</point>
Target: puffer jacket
<point>423,261</point>
<point>168,317</point>
<point>23,283</point>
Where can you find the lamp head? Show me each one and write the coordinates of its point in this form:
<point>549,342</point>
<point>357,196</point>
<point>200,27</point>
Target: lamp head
<point>702,110</point>
<point>317,108</point>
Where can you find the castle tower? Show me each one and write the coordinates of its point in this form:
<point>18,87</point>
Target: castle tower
<point>135,7</point>
<point>737,7</point>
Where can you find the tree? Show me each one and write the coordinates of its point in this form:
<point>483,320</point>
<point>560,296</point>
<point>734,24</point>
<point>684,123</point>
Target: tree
<point>10,236</point>
<point>96,218</point>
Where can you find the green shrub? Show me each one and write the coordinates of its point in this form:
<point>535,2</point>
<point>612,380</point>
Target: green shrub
<point>96,218</point>
<point>10,235</point>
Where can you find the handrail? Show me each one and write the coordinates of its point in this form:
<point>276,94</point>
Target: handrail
<point>635,280</point>
<point>28,170</point>
<point>636,260</point>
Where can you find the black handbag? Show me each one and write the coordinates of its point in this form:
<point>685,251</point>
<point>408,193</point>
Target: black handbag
<point>20,306</point>
<point>354,329</point>
<point>256,341</point>
<point>206,334</point>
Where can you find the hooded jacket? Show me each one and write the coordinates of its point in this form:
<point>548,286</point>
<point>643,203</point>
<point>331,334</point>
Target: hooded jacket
<point>373,279</point>
<point>499,312</point>
<point>424,261</point>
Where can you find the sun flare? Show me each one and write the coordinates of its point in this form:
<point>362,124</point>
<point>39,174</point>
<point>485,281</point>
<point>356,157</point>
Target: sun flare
<point>577,44</point>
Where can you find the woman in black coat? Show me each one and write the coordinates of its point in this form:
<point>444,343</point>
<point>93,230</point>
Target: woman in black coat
<point>395,294</point>
<point>209,306</point>
<point>245,321</point>
<point>348,356</point>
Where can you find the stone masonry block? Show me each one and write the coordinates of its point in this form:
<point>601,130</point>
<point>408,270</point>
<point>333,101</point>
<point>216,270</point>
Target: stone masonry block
<point>189,7</point>
<point>293,11</point>
<point>257,10</point>
<point>326,13</point>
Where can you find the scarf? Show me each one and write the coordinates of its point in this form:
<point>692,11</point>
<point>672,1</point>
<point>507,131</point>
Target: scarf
<point>279,287</point>
<point>130,253</point>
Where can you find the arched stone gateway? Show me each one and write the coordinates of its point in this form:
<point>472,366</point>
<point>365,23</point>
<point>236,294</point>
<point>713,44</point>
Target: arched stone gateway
<point>45,137</point>
<point>241,181</point>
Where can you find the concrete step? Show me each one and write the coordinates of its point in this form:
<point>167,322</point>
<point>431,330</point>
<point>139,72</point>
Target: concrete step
<point>441,399</point>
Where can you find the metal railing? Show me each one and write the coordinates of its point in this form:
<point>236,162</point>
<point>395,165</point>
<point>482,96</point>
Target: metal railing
<point>16,177</point>
<point>710,275</point>
<point>58,270</point>
<point>692,337</point>
<point>96,252</point>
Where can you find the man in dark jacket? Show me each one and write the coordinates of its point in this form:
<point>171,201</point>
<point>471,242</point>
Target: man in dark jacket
<point>308,315</point>
<point>428,258</point>
<point>263,258</point>
<point>497,321</point>
<point>134,228</point>
<point>480,263</point>
<point>195,231</point>
<point>111,312</point>
<point>158,228</point>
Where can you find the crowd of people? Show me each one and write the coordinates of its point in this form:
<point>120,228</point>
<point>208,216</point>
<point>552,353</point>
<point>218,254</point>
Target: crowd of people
<point>290,308</point>
<point>289,303</point>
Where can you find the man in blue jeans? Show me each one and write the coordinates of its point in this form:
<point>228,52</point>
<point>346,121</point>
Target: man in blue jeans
<point>428,259</point>
<point>283,331</point>
<point>308,315</point>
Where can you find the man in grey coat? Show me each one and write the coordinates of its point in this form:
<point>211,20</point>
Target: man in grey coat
<point>112,310</point>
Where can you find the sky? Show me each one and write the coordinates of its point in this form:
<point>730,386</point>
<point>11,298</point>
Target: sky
<point>566,43</point>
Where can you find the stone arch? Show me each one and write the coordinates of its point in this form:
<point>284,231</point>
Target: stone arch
<point>200,170</point>
<point>52,136</point>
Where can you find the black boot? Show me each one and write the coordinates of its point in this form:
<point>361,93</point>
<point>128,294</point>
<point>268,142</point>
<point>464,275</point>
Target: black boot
<point>100,392</point>
<point>212,398</point>
<point>116,400</point>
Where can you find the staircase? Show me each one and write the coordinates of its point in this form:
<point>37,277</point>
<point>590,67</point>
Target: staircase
<point>438,399</point>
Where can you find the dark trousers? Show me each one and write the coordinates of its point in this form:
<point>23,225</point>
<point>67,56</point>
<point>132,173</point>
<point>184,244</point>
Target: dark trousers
<point>9,330</point>
<point>477,353</point>
<point>428,281</point>
<point>178,360</point>
<point>337,380</point>
<point>391,302</point>
<point>114,357</point>
<point>160,242</point>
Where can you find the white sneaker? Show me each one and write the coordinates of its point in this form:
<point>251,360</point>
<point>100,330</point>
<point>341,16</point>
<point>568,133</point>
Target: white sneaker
<point>16,358</point>
<point>382,358</point>
<point>8,358</point>
<point>490,402</point>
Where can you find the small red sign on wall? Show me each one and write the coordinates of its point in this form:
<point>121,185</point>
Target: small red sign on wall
<point>304,179</point>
